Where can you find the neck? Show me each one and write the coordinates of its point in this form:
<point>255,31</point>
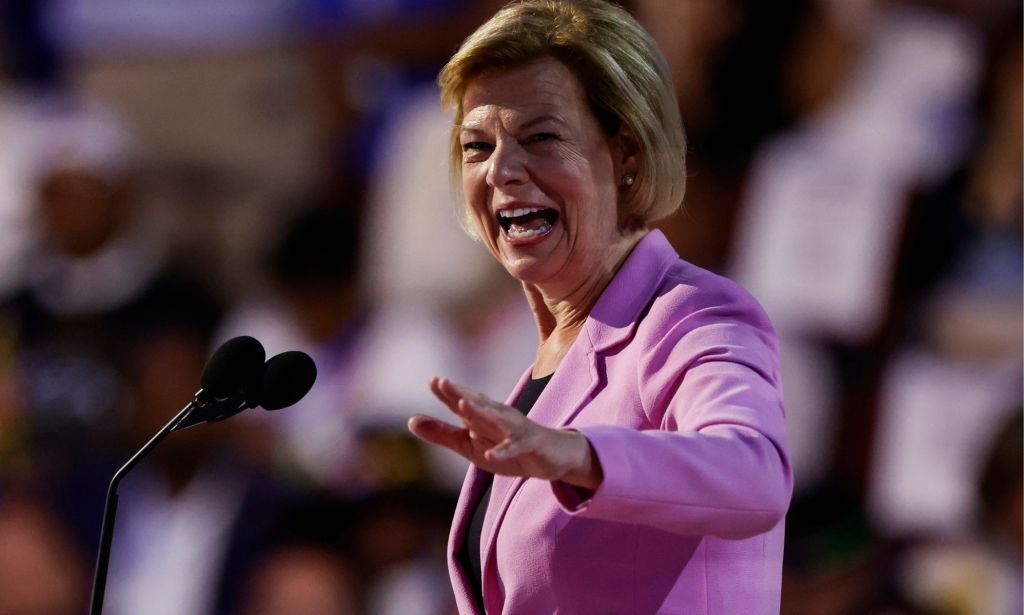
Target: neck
<point>561,308</point>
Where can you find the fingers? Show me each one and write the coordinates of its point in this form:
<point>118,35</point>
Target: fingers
<point>459,399</point>
<point>479,399</point>
<point>432,430</point>
<point>438,432</point>
<point>445,395</point>
<point>492,431</point>
<point>481,425</point>
<point>450,393</point>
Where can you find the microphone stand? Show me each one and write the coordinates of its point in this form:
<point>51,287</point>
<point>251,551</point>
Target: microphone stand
<point>110,510</point>
<point>205,412</point>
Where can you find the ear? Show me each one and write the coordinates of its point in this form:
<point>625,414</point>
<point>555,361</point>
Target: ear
<point>625,150</point>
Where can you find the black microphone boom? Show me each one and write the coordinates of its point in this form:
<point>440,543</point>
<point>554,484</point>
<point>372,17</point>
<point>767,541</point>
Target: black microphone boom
<point>234,379</point>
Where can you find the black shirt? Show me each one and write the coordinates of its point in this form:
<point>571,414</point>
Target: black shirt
<point>469,554</point>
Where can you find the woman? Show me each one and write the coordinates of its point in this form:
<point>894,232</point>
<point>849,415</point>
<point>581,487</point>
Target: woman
<point>651,475</point>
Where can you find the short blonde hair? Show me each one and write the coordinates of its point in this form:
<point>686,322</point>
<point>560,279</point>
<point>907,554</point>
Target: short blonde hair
<point>623,73</point>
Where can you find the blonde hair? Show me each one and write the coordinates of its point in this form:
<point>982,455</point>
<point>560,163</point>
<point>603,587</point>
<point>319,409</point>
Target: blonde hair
<point>623,73</point>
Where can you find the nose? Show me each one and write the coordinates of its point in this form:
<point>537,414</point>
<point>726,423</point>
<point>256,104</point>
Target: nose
<point>507,164</point>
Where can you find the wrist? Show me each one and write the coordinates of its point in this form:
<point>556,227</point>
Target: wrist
<point>585,471</point>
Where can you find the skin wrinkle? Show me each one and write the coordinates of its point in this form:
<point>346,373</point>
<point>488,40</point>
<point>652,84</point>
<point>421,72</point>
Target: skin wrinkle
<point>576,171</point>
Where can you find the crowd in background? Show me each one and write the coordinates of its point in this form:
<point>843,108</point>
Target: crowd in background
<point>173,174</point>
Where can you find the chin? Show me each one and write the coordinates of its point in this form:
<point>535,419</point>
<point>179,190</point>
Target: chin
<point>527,270</point>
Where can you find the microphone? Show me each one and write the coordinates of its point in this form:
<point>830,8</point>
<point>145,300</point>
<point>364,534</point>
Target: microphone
<point>232,367</point>
<point>234,379</point>
<point>287,378</point>
<point>230,382</point>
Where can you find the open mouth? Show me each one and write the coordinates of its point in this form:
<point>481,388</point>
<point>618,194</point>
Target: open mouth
<point>526,222</point>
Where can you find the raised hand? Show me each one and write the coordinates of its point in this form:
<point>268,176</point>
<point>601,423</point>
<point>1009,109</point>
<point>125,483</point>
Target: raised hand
<point>499,439</point>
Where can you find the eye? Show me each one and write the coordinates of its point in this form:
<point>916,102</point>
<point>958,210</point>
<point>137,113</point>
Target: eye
<point>476,146</point>
<point>541,137</point>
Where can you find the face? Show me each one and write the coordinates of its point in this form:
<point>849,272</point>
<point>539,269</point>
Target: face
<point>82,212</point>
<point>541,178</point>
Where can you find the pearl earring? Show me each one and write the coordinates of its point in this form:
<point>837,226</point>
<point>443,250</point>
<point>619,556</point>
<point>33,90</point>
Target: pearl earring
<point>628,180</point>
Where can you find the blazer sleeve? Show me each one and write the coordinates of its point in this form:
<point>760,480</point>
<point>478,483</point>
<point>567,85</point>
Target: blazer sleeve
<point>717,465</point>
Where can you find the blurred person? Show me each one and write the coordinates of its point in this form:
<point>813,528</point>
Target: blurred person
<point>372,353</point>
<point>878,93</point>
<point>964,263</point>
<point>947,460</point>
<point>97,278</point>
<point>86,27</point>
<point>722,55</point>
<point>15,453</point>
<point>378,553</point>
<point>30,55</point>
<point>301,579</point>
<point>416,260</point>
<point>17,223</point>
<point>202,506</point>
<point>390,458</point>
<point>979,573</point>
<point>109,339</point>
<point>958,365</point>
<point>411,254</point>
<point>1001,489</point>
<point>30,76</point>
<point>315,303</point>
<point>568,143</point>
<point>837,562</point>
<point>400,539</point>
<point>42,570</point>
<point>694,35</point>
<point>366,60</point>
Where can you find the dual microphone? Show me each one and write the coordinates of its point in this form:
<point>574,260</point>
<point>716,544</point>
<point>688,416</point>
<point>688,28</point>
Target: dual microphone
<point>237,377</point>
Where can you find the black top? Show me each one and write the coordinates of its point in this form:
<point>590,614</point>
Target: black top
<point>469,554</point>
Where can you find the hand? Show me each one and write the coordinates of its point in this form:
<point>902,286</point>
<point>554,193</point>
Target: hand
<point>499,439</point>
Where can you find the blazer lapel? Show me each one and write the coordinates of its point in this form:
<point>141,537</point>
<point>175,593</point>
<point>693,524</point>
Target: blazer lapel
<point>572,385</point>
<point>473,488</point>
<point>578,377</point>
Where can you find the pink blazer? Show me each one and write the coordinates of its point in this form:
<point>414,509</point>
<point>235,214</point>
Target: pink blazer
<point>674,379</point>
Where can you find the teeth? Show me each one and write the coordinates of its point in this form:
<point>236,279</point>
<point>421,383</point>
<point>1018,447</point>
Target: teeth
<point>520,211</point>
<point>516,233</point>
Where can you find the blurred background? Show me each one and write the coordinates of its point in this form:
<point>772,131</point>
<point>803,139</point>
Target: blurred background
<point>173,174</point>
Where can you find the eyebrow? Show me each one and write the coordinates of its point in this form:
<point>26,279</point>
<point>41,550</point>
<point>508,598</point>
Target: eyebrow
<point>540,119</point>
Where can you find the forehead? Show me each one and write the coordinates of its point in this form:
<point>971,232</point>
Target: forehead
<point>544,86</point>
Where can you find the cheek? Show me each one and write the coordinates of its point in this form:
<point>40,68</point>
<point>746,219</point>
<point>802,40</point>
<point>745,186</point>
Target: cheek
<point>476,204</point>
<point>592,204</point>
<point>604,197</point>
<point>477,212</point>
<point>474,191</point>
